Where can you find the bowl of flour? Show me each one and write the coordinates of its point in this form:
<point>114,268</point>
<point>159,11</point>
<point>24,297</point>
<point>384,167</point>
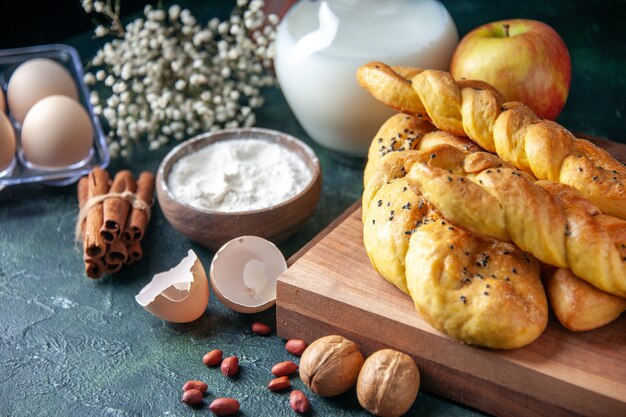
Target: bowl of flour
<point>234,182</point>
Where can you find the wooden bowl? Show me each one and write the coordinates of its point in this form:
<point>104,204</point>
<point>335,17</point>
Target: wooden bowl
<point>214,228</point>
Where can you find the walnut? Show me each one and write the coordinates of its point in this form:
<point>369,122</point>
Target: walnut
<point>388,383</point>
<point>330,365</point>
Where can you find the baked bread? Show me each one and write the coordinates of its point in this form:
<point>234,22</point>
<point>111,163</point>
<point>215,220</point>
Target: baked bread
<point>460,282</point>
<point>476,110</point>
<point>483,194</point>
<point>578,305</point>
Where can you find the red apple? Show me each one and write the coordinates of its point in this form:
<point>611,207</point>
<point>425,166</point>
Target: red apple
<point>525,59</point>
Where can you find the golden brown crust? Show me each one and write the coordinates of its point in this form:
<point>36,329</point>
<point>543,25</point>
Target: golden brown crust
<point>555,223</point>
<point>580,306</point>
<point>464,286</point>
<point>468,108</point>
<point>414,248</point>
<point>393,89</point>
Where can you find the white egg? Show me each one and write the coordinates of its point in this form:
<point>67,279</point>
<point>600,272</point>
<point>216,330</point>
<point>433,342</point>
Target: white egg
<point>179,295</point>
<point>34,80</point>
<point>57,131</point>
<point>7,142</point>
<point>244,271</point>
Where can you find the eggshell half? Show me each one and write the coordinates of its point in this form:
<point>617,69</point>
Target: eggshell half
<point>179,295</point>
<point>244,272</point>
<point>36,79</point>
<point>7,142</point>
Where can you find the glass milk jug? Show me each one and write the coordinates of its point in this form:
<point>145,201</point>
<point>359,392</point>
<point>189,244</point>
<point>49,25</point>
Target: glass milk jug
<point>320,45</point>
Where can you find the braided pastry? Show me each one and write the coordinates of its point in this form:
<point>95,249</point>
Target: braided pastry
<point>460,282</point>
<point>475,109</point>
<point>482,193</point>
<point>578,305</point>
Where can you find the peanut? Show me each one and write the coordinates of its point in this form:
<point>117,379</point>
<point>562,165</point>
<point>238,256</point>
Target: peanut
<point>279,384</point>
<point>199,385</point>
<point>224,406</point>
<point>261,329</point>
<point>230,366</point>
<point>212,358</point>
<point>296,346</point>
<point>284,368</point>
<point>298,402</point>
<point>192,397</point>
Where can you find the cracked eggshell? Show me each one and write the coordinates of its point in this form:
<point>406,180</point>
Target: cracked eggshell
<point>244,272</point>
<point>179,295</point>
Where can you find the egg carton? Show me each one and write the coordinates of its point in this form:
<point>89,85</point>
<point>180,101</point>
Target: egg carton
<point>20,171</point>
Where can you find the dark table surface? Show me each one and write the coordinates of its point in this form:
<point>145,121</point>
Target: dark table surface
<point>73,346</point>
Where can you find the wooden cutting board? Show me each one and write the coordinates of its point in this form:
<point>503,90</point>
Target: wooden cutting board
<point>331,288</point>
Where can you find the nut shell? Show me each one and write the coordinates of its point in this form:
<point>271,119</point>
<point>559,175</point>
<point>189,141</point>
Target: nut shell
<point>388,383</point>
<point>330,365</point>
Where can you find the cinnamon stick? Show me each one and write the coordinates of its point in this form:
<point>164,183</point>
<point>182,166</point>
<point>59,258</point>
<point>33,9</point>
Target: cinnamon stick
<point>82,190</point>
<point>134,252</point>
<point>116,253</point>
<point>112,268</point>
<point>138,219</point>
<point>116,209</point>
<point>97,184</point>
<point>94,267</point>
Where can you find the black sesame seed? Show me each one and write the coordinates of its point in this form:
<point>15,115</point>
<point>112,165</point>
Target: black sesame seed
<point>514,270</point>
<point>380,203</point>
<point>373,221</point>
<point>486,293</point>
<point>432,155</point>
<point>451,246</point>
<point>464,299</point>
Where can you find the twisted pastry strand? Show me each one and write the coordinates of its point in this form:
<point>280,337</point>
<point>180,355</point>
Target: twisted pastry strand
<point>460,282</point>
<point>482,193</point>
<point>541,148</point>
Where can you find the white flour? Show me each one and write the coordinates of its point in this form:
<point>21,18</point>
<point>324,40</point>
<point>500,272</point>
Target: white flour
<point>238,175</point>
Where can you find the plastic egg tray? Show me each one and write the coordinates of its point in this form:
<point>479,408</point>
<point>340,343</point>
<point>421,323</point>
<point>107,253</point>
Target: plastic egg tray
<point>20,171</point>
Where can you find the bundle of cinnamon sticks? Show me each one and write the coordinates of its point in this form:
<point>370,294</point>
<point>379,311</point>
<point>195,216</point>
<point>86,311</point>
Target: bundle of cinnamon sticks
<point>116,220</point>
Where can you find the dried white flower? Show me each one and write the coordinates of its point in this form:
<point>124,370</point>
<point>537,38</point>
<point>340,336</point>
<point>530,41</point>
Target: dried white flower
<point>169,77</point>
